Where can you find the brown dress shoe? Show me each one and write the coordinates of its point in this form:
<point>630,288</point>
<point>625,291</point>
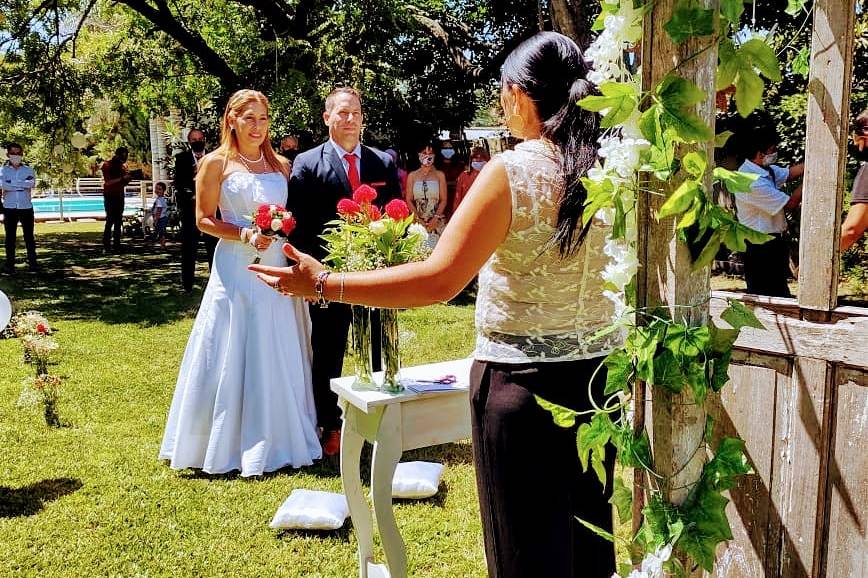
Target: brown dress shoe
<point>331,444</point>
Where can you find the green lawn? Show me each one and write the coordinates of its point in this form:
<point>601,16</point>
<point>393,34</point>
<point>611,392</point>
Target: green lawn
<point>92,499</point>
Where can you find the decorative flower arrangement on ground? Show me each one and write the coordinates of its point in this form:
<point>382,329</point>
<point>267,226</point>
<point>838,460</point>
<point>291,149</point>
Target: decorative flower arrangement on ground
<point>362,238</point>
<point>35,333</point>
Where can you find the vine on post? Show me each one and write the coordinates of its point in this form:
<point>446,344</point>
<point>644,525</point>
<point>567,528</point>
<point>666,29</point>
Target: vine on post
<point>654,136</point>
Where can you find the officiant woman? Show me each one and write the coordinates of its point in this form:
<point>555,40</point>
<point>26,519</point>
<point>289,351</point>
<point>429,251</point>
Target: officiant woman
<point>539,302</point>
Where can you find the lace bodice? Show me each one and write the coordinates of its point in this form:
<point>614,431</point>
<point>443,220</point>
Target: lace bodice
<point>242,193</point>
<point>531,304</point>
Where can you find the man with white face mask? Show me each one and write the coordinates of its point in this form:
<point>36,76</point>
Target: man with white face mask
<point>766,266</point>
<point>17,181</point>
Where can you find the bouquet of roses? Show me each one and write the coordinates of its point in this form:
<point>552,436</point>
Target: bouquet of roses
<point>30,323</point>
<point>271,220</point>
<point>362,238</point>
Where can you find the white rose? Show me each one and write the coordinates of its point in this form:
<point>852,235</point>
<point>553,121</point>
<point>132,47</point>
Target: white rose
<point>276,224</point>
<point>377,227</point>
<point>417,230</point>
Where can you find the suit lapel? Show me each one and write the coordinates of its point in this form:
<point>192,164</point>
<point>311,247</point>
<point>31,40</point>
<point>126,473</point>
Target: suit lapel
<point>337,166</point>
<point>369,165</point>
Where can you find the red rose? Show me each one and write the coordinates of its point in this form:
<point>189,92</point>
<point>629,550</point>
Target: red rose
<point>263,220</point>
<point>41,328</point>
<point>364,194</point>
<point>374,213</point>
<point>288,224</point>
<point>264,209</point>
<point>397,209</point>
<point>348,207</point>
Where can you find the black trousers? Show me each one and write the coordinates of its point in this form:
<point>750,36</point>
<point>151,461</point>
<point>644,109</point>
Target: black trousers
<point>330,327</point>
<point>531,486</point>
<point>11,218</point>
<point>767,268</point>
<point>114,219</point>
<point>190,235</point>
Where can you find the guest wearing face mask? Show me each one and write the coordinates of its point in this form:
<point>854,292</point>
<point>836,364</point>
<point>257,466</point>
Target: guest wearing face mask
<point>452,166</point>
<point>16,182</point>
<point>186,167</point>
<point>764,208</point>
<point>426,194</point>
<point>289,147</point>
<point>478,157</point>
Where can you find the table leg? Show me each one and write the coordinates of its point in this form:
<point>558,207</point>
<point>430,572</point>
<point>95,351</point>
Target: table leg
<point>351,479</point>
<point>387,452</point>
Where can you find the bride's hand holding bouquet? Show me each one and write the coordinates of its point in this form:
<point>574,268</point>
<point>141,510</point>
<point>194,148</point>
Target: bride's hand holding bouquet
<point>269,222</point>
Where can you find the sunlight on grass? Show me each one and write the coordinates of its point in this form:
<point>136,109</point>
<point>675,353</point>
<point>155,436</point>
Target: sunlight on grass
<point>93,500</point>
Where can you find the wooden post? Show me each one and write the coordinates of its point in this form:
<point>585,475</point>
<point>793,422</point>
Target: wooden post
<point>825,154</point>
<point>666,276</point>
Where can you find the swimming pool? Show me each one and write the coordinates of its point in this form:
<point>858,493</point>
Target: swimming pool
<point>77,207</point>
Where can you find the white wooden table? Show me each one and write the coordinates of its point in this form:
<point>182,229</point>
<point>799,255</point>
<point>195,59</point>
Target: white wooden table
<point>394,424</point>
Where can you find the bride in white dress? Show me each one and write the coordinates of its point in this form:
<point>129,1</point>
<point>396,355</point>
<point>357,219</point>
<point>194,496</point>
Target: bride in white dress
<point>243,400</point>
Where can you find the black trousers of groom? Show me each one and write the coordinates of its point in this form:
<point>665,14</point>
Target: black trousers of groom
<point>331,326</point>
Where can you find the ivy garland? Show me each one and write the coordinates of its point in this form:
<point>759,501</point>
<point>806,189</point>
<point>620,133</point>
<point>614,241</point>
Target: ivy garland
<point>653,139</point>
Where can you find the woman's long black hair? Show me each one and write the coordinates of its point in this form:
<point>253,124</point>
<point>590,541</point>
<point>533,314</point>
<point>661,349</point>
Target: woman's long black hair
<point>550,68</point>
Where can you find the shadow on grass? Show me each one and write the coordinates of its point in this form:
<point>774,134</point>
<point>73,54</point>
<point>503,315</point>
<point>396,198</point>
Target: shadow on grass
<point>77,281</point>
<point>342,534</point>
<point>31,499</point>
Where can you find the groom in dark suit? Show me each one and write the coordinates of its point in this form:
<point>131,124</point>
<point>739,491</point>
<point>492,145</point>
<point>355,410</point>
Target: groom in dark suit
<point>320,178</point>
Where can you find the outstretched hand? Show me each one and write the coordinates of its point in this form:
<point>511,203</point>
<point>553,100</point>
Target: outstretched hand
<point>298,279</point>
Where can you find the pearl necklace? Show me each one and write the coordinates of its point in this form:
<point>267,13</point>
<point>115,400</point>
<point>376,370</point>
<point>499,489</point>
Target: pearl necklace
<point>244,160</point>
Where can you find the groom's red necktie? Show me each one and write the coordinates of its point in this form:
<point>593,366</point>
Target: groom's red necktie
<point>352,172</point>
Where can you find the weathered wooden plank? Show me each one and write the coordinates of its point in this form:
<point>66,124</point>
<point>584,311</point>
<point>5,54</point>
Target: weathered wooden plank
<point>788,307</point>
<point>801,428</point>
<point>743,409</point>
<point>667,276</point>
<point>847,540</point>
<point>841,342</point>
<point>825,151</point>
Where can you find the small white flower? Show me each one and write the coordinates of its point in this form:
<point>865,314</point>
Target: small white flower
<point>417,230</point>
<point>377,227</point>
<point>276,224</point>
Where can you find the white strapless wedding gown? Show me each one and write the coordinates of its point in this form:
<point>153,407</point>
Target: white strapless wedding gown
<point>243,400</point>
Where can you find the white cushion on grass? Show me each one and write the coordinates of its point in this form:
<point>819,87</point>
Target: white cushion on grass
<point>5,311</point>
<point>416,479</point>
<point>312,510</point>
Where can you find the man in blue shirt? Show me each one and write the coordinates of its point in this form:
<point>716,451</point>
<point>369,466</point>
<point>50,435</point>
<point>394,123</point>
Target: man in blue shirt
<point>17,181</point>
<point>763,208</point>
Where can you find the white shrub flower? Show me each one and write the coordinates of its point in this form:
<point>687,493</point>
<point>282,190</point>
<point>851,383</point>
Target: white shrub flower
<point>377,227</point>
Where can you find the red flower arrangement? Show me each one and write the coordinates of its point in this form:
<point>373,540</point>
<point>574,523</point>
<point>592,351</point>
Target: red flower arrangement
<point>41,329</point>
<point>365,194</point>
<point>348,207</point>
<point>397,209</point>
<point>274,220</point>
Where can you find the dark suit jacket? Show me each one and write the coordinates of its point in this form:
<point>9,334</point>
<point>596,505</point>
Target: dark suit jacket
<point>319,181</point>
<point>185,182</point>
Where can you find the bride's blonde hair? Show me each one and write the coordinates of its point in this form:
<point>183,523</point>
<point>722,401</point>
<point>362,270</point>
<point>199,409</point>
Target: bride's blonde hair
<point>228,138</point>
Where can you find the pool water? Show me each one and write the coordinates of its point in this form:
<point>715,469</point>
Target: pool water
<point>80,205</point>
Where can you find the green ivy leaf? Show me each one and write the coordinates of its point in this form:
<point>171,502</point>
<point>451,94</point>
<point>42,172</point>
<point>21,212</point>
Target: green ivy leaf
<point>620,98</point>
<point>722,138</point>
<point>667,372</point>
<point>801,63</point>
<point>684,341</point>
<point>728,463</point>
<point>738,316</point>
<point>597,530</point>
<point>722,339</point>
<point>600,195</point>
<point>732,10</point>
<point>563,416</point>
<point>680,200</point>
<point>689,20</point>
<point>622,499</point>
<point>795,6</point>
<point>633,451</point>
<point>676,93</point>
<point>736,235</point>
<point>706,256</point>
<point>720,370</point>
<point>697,378</point>
<point>592,439</point>
<point>695,163</point>
<point>735,181</point>
<point>748,91</point>
<point>763,57</point>
<point>619,369</point>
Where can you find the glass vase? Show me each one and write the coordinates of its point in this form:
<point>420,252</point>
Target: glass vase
<point>361,349</point>
<point>391,356</point>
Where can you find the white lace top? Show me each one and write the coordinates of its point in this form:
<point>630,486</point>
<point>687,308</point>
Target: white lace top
<point>532,305</point>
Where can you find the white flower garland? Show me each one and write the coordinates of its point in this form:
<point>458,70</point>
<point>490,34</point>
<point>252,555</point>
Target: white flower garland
<point>620,149</point>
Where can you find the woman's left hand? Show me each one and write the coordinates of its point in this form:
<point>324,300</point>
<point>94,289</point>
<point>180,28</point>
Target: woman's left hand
<point>298,279</point>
